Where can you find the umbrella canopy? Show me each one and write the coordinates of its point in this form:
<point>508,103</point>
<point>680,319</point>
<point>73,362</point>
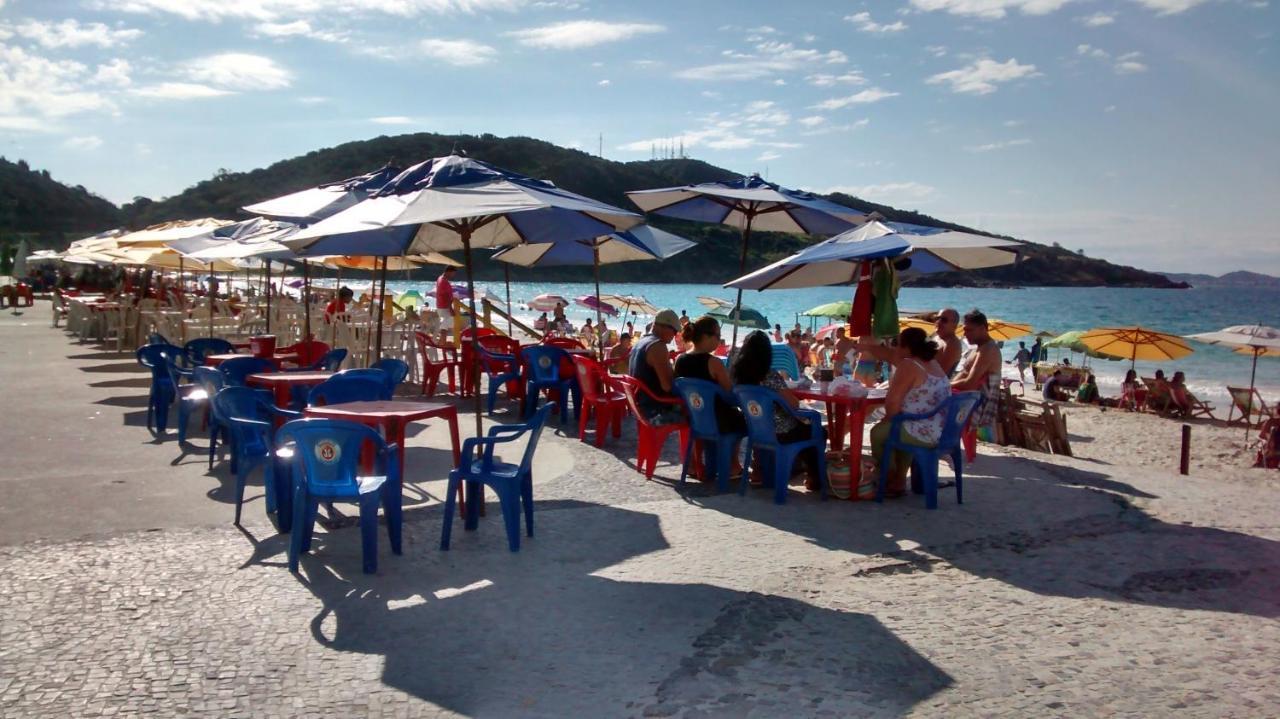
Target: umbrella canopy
<point>315,204</point>
<point>1071,341</point>
<point>365,262</point>
<point>750,203</point>
<point>1255,340</point>
<point>838,310</point>
<point>590,302</point>
<point>165,258</point>
<point>631,303</point>
<point>828,330</point>
<point>257,238</point>
<point>639,243</point>
<point>998,330</point>
<point>1260,351</point>
<point>716,304</point>
<point>745,317</point>
<point>1136,343</point>
<point>44,256</point>
<point>159,235</point>
<point>837,260</point>
<point>547,303</point>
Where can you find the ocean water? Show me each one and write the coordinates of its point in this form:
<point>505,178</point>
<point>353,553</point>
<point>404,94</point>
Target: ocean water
<point>1209,369</point>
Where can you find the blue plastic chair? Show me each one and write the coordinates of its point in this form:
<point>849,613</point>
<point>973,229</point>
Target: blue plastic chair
<point>160,359</point>
<point>246,415</point>
<point>325,468</point>
<point>783,359</point>
<point>195,396</point>
<point>511,482</point>
<point>397,371</point>
<point>340,389</point>
<point>700,399</point>
<point>155,338</point>
<point>197,349</point>
<point>543,373</point>
<point>758,405</point>
<point>329,362</point>
<point>236,370</point>
<point>372,373</point>
<point>510,370</point>
<point>211,381</point>
<point>957,409</point>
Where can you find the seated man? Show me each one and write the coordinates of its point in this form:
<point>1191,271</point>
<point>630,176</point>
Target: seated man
<point>1158,397</point>
<point>1053,389</point>
<point>618,354</point>
<point>650,364</point>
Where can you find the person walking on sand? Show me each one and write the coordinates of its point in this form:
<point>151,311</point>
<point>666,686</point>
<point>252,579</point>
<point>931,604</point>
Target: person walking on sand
<point>1022,359</point>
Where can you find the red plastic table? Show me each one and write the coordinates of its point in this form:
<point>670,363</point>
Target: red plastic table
<point>215,360</point>
<point>392,416</point>
<point>842,409</point>
<point>281,384</point>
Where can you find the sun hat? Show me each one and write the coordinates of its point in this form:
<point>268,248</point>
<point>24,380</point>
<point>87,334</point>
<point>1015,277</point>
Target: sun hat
<point>667,317</point>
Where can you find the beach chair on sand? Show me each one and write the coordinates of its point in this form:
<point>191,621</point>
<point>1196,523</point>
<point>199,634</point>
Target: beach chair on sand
<point>1250,404</point>
<point>1158,397</point>
<point>1199,408</point>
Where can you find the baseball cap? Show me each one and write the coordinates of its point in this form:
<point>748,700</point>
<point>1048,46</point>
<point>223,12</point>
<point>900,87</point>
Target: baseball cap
<point>669,318</point>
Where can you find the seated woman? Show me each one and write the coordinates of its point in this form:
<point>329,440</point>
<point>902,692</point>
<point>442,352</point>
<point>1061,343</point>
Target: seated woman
<point>1158,396</point>
<point>1179,397</point>
<point>918,386</point>
<point>1129,391</point>
<point>752,367</point>
<point>701,337</point>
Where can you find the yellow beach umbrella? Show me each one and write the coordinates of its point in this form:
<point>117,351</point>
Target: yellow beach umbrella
<point>998,330</point>
<point>1136,343</point>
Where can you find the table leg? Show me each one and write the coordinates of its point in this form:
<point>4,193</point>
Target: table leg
<point>395,433</point>
<point>857,418</point>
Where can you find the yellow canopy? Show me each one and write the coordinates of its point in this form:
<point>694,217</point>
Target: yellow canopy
<point>409,262</point>
<point>167,259</point>
<point>157,235</point>
<point>999,330</point>
<point>1136,343</point>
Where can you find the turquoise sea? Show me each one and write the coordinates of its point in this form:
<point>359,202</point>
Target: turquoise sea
<point>1058,310</point>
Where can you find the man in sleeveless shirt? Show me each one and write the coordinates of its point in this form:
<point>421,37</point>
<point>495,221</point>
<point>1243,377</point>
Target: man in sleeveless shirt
<point>980,371</point>
<point>650,364</point>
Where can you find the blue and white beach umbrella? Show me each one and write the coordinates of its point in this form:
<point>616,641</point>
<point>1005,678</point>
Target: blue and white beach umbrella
<point>315,204</point>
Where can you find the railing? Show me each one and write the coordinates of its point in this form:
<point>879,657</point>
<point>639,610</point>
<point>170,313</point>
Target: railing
<point>491,309</point>
<point>487,310</point>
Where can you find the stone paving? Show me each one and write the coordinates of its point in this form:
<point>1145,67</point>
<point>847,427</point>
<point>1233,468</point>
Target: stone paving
<point>1060,588</point>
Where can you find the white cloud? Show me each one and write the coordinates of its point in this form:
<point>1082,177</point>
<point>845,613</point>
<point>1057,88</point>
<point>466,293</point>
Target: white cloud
<point>578,34</point>
<point>287,10</point>
<point>994,9</point>
<point>1094,52</point>
<point>812,120</point>
<point>604,83</point>
<point>1097,19</point>
<point>751,126</point>
<point>86,143</point>
<point>1014,123</point>
<point>866,24</point>
<point>298,28</point>
<point>71,33</point>
<point>238,71</point>
<point>865,97</point>
<point>114,72</point>
<point>982,76</point>
<point>313,99</point>
<point>1169,7</point>
<point>179,91</point>
<point>991,146</point>
<point>1128,64</point>
<point>767,59</point>
<point>460,53</point>
<point>828,129</point>
<point>36,91</point>
<point>391,120</point>
<point>765,112</point>
<point>853,77</point>
<point>936,50</point>
<point>889,193</point>
<point>767,155</point>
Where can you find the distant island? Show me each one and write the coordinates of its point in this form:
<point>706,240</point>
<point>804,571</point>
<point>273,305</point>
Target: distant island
<point>1239,278</point>
<point>48,214</point>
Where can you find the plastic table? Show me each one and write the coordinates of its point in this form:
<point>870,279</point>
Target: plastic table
<point>281,384</point>
<point>279,357</point>
<point>391,416</point>
<point>845,412</point>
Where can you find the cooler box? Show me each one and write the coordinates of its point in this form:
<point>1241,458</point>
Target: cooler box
<point>263,346</point>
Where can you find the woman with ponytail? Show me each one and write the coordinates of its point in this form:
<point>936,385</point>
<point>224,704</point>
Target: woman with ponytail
<point>702,337</point>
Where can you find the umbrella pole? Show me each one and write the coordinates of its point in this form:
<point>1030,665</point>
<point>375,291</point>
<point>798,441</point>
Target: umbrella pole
<point>267,275</point>
<point>475,349</point>
<point>1253,375</point>
<point>212,279</point>
<point>306,301</point>
<point>595,262</point>
<point>506,279</point>
<point>742,270</point>
<point>382,299</point>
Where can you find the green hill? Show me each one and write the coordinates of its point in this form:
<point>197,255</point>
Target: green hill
<point>45,212</point>
<point>715,259</point>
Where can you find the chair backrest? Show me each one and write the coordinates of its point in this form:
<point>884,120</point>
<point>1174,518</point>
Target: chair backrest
<point>339,389</point>
<point>332,359</point>
<point>235,407</point>
<point>633,388</point>
<point>758,409</point>
<point>959,408</point>
<point>209,379</point>
<point>498,353</point>
<point>237,369</point>
<point>1247,400</point>
<point>699,397</point>
<point>534,426</point>
<point>396,370</point>
<point>155,338</point>
<point>160,358</point>
<point>432,352</point>
<point>328,452</point>
<point>373,373</point>
<point>310,352</point>
<point>591,377</point>
<point>783,359</point>
<point>543,362</point>
<point>197,349</point>
<point>479,333</point>
<point>568,343</point>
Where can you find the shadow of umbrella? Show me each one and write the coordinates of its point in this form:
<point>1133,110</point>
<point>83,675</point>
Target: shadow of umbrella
<point>482,631</point>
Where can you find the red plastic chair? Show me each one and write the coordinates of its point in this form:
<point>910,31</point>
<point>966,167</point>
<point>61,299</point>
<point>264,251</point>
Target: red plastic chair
<point>601,395</point>
<point>491,348</point>
<point>447,359</point>
<point>567,343</point>
<point>309,351</point>
<point>651,438</point>
<point>468,356</point>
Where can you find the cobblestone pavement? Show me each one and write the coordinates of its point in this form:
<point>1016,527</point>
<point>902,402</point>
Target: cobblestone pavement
<point>1063,588</point>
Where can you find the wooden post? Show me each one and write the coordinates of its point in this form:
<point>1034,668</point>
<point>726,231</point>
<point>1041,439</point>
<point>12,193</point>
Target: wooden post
<point>1185,464</point>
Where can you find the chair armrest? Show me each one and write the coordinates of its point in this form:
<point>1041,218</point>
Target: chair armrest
<point>470,444</point>
<point>514,429</point>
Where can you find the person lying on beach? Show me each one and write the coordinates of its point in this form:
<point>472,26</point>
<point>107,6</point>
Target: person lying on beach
<point>701,337</point>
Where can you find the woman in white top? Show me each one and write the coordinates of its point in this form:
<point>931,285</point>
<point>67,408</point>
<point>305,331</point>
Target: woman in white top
<point>918,386</point>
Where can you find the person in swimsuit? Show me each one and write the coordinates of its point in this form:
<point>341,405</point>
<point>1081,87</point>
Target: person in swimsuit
<point>701,337</point>
<point>980,371</point>
<point>918,386</point>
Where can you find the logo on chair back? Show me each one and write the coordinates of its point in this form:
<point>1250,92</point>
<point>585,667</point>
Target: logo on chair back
<point>544,362</point>
<point>754,408</point>
<point>695,400</point>
<point>328,451</point>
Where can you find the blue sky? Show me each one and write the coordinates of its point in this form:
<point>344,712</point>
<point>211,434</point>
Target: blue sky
<point>1142,131</point>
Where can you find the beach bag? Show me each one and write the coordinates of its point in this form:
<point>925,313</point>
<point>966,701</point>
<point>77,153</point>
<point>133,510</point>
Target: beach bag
<point>838,476</point>
<point>870,479</point>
